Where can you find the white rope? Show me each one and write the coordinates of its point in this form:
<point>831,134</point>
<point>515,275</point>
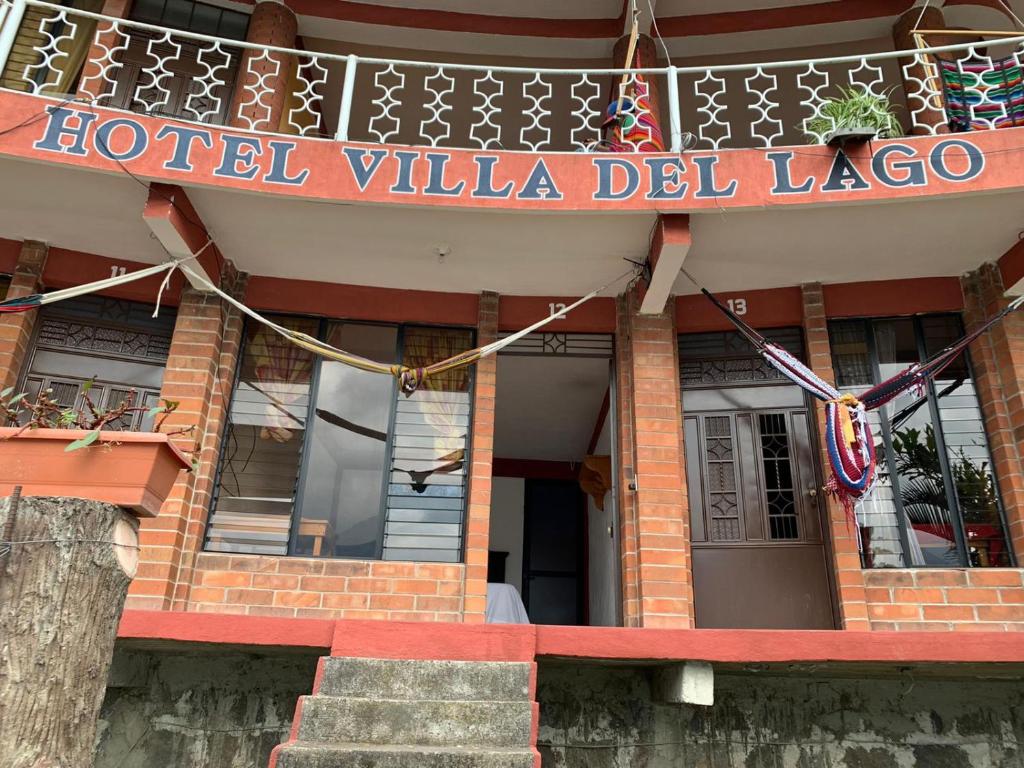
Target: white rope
<point>920,16</point>
<point>102,285</point>
<point>485,351</point>
<point>167,278</point>
<point>495,346</point>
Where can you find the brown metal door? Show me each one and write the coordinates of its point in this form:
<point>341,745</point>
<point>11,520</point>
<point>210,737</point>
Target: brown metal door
<point>759,558</point>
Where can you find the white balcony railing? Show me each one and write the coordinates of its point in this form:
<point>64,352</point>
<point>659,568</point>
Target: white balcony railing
<point>50,50</point>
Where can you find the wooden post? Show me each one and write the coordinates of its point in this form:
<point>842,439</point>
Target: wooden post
<point>63,579</point>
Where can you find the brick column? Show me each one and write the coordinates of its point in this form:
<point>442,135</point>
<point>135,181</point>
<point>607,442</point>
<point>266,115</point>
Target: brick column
<point>262,89</point>
<point>481,461</point>
<point>997,360</point>
<point>16,329</point>
<point>199,374</point>
<point>92,86</point>
<point>652,463</point>
<point>846,568</point>
<point>647,53</point>
<point>924,103</point>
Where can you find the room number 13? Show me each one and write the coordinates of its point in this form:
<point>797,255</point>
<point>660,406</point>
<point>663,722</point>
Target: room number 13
<point>738,306</point>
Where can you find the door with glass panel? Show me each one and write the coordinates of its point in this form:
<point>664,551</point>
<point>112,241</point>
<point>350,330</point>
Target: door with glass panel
<point>759,558</point>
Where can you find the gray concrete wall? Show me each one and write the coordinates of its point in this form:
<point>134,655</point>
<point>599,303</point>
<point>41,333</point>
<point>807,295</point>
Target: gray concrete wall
<point>604,717</point>
<point>199,709</point>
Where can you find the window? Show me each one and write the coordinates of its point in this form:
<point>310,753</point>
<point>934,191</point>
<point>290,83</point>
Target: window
<point>192,17</point>
<point>176,76</point>
<point>117,345</point>
<point>936,502</point>
<point>324,460</point>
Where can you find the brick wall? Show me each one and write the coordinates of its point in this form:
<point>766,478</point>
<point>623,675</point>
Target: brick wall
<point>657,549</point>
<point>16,328</point>
<point>845,557</point>
<point>199,374</point>
<point>997,361</point>
<point>332,589</point>
<point>481,461</point>
<point>978,599</point>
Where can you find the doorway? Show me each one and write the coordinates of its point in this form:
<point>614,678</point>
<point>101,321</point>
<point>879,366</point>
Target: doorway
<point>759,556</point>
<point>554,531</point>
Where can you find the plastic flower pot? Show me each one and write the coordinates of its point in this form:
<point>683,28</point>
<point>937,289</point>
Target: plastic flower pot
<point>136,470</point>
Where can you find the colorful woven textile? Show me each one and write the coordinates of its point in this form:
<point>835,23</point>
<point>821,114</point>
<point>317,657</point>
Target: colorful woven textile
<point>636,126</point>
<point>983,93</point>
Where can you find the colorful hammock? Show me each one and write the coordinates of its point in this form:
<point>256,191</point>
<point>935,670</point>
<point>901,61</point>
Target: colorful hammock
<point>983,94</point>
<point>636,126</point>
<point>848,438</point>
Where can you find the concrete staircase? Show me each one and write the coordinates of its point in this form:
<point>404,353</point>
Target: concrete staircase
<point>382,713</point>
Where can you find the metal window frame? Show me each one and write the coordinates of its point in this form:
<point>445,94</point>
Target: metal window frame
<point>323,325</point>
<point>949,486</point>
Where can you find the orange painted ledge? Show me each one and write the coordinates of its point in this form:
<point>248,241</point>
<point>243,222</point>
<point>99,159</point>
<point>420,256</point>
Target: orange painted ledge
<point>168,151</point>
<point>506,642</point>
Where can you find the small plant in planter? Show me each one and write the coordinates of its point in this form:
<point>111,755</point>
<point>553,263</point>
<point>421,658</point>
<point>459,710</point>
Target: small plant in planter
<point>855,115</point>
<point>43,450</point>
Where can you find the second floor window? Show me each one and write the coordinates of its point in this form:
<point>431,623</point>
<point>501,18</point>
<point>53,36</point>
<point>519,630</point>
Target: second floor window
<point>936,502</point>
<point>325,460</point>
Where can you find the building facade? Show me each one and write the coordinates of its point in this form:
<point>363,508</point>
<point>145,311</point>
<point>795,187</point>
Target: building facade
<point>411,181</point>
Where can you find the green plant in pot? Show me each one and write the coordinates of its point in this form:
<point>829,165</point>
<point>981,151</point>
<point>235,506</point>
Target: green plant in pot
<point>854,115</point>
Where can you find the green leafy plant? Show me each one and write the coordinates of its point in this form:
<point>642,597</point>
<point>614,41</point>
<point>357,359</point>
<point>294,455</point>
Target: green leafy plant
<point>855,108</point>
<point>16,410</point>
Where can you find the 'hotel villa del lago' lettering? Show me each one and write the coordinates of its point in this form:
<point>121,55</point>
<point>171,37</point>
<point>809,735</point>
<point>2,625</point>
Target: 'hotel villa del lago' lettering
<point>210,155</point>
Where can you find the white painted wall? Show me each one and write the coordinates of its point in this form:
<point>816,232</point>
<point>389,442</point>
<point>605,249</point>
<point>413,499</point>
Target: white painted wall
<point>604,551</point>
<point>508,496</point>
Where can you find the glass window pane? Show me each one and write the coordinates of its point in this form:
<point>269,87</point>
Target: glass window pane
<point>426,491</point>
<point>205,19</point>
<point>147,10</point>
<point>263,443</point>
<point>849,343</point>
<point>967,450</point>
<point>177,13</point>
<point>915,458</point>
<point>344,473</point>
<point>233,26</point>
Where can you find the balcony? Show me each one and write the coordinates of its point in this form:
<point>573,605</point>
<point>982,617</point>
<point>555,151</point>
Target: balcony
<point>59,52</point>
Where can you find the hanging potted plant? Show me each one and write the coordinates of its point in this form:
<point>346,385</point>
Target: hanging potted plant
<point>855,115</point>
<point>82,452</point>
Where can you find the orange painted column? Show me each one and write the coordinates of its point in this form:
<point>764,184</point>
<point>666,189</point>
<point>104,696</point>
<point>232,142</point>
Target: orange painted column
<point>997,362</point>
<point>199,375</point>
<point>16,329</point>
<point>655,531</point>
<point>924,103</point>
<point>846,565</point>
<point>481,462</point>
<point>262,90</point>
<point>92,86</point>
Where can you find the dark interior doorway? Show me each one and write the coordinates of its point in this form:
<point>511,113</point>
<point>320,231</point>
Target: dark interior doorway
<point>553,552</point>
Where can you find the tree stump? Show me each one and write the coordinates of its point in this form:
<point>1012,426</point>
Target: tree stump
<point>62,588</point>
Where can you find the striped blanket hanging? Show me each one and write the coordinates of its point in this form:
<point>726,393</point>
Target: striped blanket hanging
<point>848,438</point>
<point>983,93</point>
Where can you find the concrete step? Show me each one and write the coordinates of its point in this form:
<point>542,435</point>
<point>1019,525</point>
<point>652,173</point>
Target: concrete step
<point>327,719</point>
<point>436,680</point>
<point>309,755</point>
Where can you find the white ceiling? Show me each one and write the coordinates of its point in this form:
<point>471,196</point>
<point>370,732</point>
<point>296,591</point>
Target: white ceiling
<point>514,253</point>
<point>853,243</point>
<point>547,407</point>
<point>76,209</point>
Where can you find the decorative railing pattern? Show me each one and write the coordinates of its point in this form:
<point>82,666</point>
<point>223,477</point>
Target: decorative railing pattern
<point>49,50</point>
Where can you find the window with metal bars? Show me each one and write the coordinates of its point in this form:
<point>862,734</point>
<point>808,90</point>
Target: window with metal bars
<point>325,460</point>
<point>115,345</point>
<point>936,502</point>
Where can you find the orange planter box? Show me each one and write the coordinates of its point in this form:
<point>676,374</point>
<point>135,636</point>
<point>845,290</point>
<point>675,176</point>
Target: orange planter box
<point>131,469</point>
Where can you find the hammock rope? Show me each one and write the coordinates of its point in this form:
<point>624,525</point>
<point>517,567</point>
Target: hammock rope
<point>409,379</point>
<point>848,439</point>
